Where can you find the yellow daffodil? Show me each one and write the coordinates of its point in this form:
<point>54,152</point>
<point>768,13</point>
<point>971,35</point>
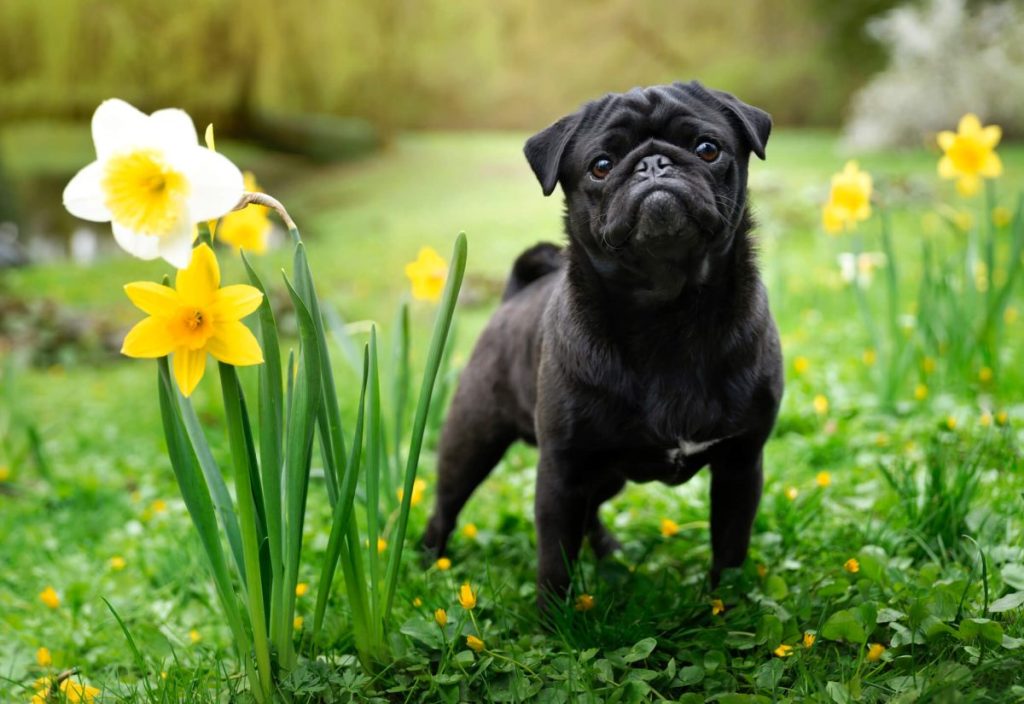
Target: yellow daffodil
<point>152,181</point>
<point>668,527</point>
<point>43,687</point>
<point>50,597</point>
<point>875,651</point>
<point>584,602</point>
<point>194,318</point>
<point>823,479</point>
<point>920,392</point>
<point>443,563</point>
<point>248,228</point>
<point>427,275</point>
<point>792,492</point>
<point>75,692</point>
<point>852,565</point>
<point>869,357</point>
<point>717,607</point>
<point>969,154</point>
<point>117,563</point>
<point>470,530</point>
<point>849,199</point>
<point>783,651</point>
<point>43,657</point>
<point>801,365</point>
<point>475,643</point>
<point>301,589</point>
<point>820,404</point>
<point>809,639</point>
<point>418,487</point>
<point>467,597</point>
<point>441,617</point>
<point>297,623</point>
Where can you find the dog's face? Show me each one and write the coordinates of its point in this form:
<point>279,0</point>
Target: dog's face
<point>654,180</point>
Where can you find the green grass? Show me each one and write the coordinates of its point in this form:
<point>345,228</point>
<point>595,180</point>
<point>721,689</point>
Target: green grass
<point>904,490</point>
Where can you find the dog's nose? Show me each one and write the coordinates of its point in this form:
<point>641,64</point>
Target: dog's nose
<point>653,166</point>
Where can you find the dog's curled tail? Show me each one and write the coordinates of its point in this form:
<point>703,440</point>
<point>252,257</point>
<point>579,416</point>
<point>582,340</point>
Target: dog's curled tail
<point>539,260</point>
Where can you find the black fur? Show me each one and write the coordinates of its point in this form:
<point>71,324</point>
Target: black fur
<point>650,333</point>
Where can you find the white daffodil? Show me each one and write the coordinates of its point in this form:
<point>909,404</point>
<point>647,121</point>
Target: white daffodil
<point>152,181</point>
<point>860,267</point>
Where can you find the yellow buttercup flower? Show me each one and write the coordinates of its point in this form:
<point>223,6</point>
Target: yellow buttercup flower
<point>951,422</point>
<point>301,589</point>
<point>717,607</point>
<point>869,357</point>
<point>584,602</point>
<point>852,565</point>
<point>50,597</point>
<point>920,392</point>
<point>441,617</point>
<point>801,365</point>
<point>117,563</point>
<point>382,545</point>
<point>297,623</point>
<point>248,228</point>
<point>875,651</point>
<point>969,154</point>
<point>467,597</point>
<point>849,200</point>
<point>195,636</point>
<point>470,531</point>
<point>985,375</point>
<point>985,420</point>
<point>417,602</point>
<point>427,275</point>
<point>669,527</point>
<point>809,639</point>
<point>443,563</point>
<point>152,181</point>
<point>418,487</point>
<point>783,651</point>
<point>1002,418</point>
<point>194,318</point>
<point>820,404</point>
<point>158,506</point>
<point>75,692</point>
<point>792,492</point>
<point>823,479</point>
<point>43,657</point>
<point>475,643</point>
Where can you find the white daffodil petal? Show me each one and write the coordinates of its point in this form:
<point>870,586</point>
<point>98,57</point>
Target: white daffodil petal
<point>116,125</point>
<point>176,246</point>
<point>83,196</point>
<point>136,244</point>
<point>215,184</point>
<point>174,130</point>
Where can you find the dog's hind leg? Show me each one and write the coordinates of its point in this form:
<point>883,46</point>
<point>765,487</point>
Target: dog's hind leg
<point>472,442</point>
<point>602,541</point>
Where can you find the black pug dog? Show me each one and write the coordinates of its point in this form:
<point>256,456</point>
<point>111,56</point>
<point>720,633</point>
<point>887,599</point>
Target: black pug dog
<point>645,349</point>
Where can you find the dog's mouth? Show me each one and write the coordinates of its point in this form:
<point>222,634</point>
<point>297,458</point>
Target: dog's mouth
<point>658,218</point>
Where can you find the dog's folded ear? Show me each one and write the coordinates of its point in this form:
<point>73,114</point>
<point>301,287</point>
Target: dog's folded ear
<point>544,150</point>
<point>755,123</point>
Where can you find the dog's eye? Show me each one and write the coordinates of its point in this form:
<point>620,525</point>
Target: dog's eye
<point>708,151</point>
<point>601,167</point>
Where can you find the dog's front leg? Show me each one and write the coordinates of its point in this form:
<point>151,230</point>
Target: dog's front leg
<point>562,510</point>
<point>736,481</point>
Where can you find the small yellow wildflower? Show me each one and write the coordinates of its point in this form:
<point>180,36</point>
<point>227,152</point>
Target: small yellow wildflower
<point>951,422</point>
<point>43,657</point>
<point>301,589</point>
<point>297,623</point>
<point>823,479</point>
<point>985,420</point>
<point>467,597</point>
<point>852,565</point>
<point>382,545</point>
<point>849,199</point>
<point>417,602</point>
<point>158,506</point>
<point>783,651</point>
<point>717,607</point>
<point>869,357</point>
<point>792,492</point>
<point>194,318</point>
<point>821,404</point>
<point>584,602</point>
<point>969,154</point>
<point>1010,315</point>
<point>5,472</point>
<point>248,228</point>
<point>809,639</point>
<point>475,643</point>
<point>875,651</point>
<point>1001,216</point>
<point>470,531</point>
<point>427,275</point>
<point>117,563</point>
<point>441,617</point>
<point>985,375</point>
<point>43,687</point>
<point>801,365</point>
<point>1002,418</point>
<point>418,487</point>
<point>443,563</point>
<point>921,392</point>
<point>762,570</point>
<point>195,636</point>
<point>669,527</point>
<point>928,365</point>
<point>50,597</point>
<point>75,692</point>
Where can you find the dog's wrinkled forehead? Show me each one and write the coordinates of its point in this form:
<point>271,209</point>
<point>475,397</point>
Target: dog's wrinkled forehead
<point>658,112</point>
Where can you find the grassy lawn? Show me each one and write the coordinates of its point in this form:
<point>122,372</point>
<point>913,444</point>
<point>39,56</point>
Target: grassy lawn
<point>927,499</point>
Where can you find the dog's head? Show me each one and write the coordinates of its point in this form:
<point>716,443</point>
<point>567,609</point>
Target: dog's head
<point>654,179</point>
